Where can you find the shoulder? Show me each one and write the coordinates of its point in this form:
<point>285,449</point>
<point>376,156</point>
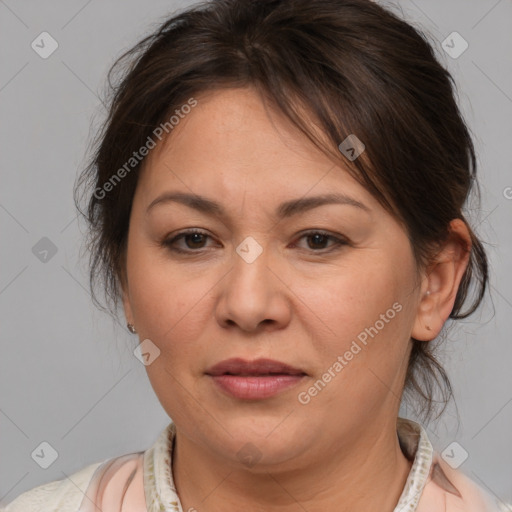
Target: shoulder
<point>65,494</point>
<point>451,490</point>
<point>104,485</point>
<point>433,484</point>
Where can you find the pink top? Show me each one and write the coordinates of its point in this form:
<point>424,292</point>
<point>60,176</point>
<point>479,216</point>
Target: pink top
<point>143,482</point>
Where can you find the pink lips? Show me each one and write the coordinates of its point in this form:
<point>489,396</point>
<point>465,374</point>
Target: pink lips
<point>254,380</point>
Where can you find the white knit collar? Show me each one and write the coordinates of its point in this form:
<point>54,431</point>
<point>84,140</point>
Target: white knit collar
<point>161,495</point>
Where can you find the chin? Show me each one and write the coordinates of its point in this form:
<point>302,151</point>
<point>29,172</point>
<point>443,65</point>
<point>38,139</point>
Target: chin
<point>259,442</point>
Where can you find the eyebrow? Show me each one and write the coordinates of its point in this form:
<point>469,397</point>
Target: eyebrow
<point>284,210</point>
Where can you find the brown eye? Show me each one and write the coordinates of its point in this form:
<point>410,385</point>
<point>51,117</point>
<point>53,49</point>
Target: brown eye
<point>317,240</point>
<point>193,240</point>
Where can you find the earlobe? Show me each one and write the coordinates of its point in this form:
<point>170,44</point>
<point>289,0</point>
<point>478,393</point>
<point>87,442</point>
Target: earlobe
<point>128,313</point>
<point>126,300</point>
<point>127,308</point>
<point>441,283</point>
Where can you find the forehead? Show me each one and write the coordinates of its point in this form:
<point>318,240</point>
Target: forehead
<point>232,142</point>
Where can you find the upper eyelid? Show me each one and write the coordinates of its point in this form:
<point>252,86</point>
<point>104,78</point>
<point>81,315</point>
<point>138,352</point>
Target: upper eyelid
<point>192,231</point>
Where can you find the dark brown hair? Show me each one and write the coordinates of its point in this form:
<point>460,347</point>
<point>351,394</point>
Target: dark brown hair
<point>352,66</point>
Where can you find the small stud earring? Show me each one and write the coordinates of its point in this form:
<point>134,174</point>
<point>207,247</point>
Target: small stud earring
<point>131,328</point>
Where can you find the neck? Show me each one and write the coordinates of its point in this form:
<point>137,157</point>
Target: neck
<point>368,473</point>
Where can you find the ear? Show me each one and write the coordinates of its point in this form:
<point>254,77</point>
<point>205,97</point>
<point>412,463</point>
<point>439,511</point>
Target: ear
<point>441,282</point>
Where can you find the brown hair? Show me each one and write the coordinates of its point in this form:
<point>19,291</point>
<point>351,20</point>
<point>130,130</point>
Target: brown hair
<point>352,66</point>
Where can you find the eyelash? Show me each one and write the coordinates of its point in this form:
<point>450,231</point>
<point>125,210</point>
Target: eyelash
<point>169,243</point>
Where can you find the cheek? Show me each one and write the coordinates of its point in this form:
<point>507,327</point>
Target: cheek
<point>168,310</point>
<point>350,298</point>
<point>363,311</point>
<point>168,304</point>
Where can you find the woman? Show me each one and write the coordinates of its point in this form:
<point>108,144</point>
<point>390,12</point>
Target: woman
<point>276,200</point>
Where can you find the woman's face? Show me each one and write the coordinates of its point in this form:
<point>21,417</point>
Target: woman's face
<point>258,282</point>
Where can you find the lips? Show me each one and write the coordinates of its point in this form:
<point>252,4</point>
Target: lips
<point>254,380</point>
<point>257,368</point>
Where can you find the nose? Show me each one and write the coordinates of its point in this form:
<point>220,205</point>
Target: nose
<point>254,295</point>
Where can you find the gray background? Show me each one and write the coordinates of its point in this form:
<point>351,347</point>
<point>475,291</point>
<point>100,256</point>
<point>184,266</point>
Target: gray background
<point>67,373</point>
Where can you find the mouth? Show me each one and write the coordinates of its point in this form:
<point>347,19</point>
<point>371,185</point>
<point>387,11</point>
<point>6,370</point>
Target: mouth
<point>254,380</point>
<point>257,368</point>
